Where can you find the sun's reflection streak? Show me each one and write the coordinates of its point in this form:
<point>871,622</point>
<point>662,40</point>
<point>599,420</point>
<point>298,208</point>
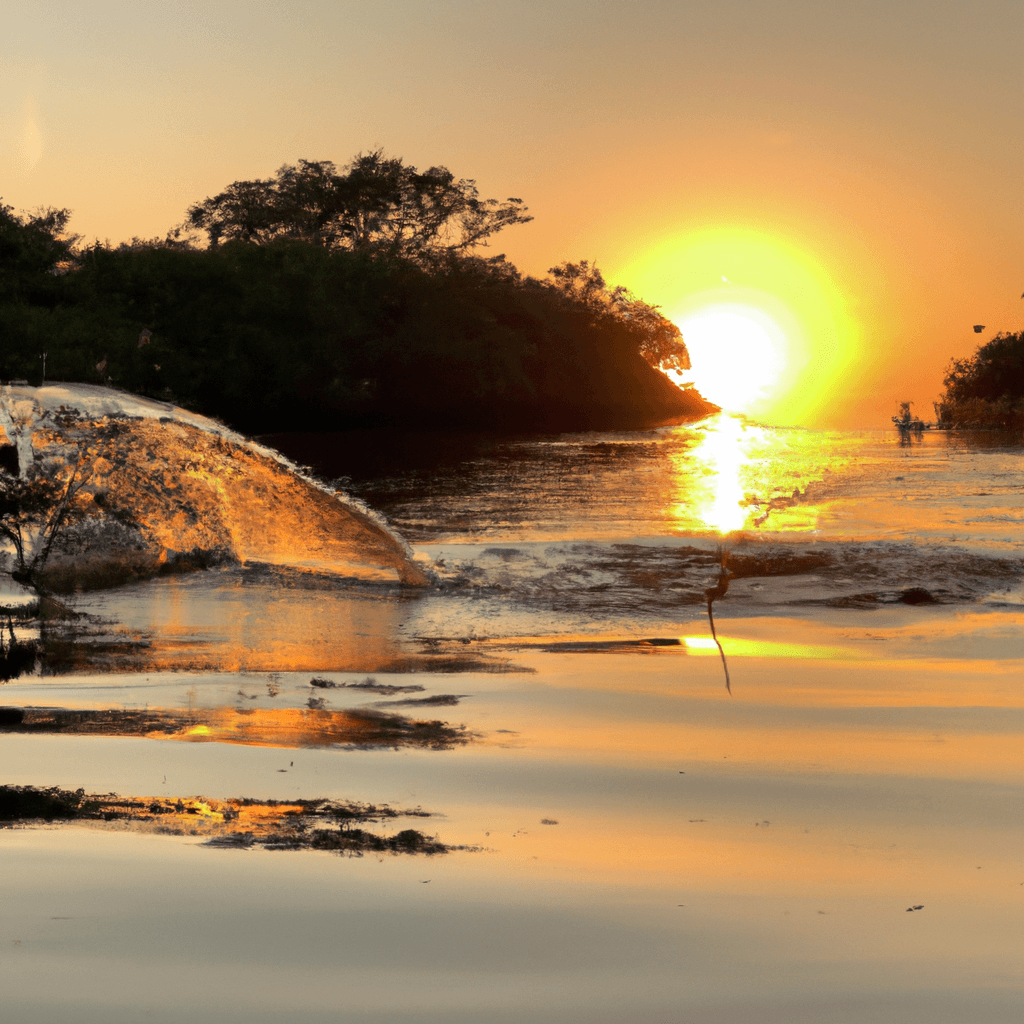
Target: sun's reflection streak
<point>709,478</point>
<point>731,476</point>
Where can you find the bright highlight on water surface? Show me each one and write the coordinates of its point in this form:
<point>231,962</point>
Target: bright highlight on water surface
<point>722,454</point>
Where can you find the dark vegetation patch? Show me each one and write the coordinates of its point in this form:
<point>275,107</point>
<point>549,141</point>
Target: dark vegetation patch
<point>85,643</point>
<point>287,727</point>
<point>75,575</point>
<point>9,463</point>
<point>271,824</point>
<point>987,389</point>
<point>20,803</point>
<point>441,700</point>
<point>373,273</point>
<point>16,656</point>
<point>606,646</point>
<point>369,684</point>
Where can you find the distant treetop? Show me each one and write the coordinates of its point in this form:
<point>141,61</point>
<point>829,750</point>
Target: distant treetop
<point>374,203</point>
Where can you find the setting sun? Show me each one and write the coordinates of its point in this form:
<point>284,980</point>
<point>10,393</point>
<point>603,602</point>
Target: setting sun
<point>738,355</point>
<point>769,330</point>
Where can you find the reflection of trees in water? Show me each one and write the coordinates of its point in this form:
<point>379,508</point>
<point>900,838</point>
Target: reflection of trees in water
<point>911,427</point>
<point>269,727</point>
<point>276,825</point>
<point>16,657</point>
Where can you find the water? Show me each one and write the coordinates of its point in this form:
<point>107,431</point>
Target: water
<point>642,845</point>
<point>721,477</point>
<point>598,523</point>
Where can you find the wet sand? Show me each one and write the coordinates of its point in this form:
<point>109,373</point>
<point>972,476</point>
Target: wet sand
<point>638,845</point>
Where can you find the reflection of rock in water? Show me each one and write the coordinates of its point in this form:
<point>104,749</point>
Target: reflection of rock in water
<point>164,485</point>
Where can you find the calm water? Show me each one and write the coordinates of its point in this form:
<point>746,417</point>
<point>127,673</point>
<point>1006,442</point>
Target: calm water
<point>646,848</point>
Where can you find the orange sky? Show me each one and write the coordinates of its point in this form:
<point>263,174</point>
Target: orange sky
<point>862,158</point>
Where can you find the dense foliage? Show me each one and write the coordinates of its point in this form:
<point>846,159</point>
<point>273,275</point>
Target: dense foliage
<point>377,203</point>
<point>327,300</point>
<point>986,389</point>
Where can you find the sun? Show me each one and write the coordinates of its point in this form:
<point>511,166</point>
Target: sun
<point>769,330</point>
<point>738,355</point>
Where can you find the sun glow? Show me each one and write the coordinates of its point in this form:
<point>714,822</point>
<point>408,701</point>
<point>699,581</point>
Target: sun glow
<point>769,330</point>
<point>738,355</point>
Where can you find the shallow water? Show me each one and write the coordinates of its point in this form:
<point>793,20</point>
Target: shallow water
<point>641,846</point>
<point>720,476</point>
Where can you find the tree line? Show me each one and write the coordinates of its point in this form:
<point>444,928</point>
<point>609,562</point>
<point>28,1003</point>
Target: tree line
<point>986,389</point>
<point>325,298</point>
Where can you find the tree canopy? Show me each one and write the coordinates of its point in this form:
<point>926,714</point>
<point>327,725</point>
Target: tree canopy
<point>374,203</point>
<point>658,340</point>
<point>986,389</point>
<point>327,299</point>
<point>33,248</point>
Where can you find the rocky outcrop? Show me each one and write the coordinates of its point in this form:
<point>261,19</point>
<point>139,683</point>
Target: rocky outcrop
<point>158,486</point>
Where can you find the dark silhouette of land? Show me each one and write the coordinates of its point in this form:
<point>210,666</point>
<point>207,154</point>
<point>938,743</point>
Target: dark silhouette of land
<point>330,825</point>
<point>327,299</point>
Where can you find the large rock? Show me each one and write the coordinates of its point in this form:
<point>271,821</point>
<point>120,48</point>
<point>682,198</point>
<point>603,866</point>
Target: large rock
<point>162,485</point>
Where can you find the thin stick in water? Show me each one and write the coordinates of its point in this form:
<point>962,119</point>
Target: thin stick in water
<point>719,590</point>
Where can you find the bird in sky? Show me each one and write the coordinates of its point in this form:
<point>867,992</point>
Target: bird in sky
<point>978,328</point>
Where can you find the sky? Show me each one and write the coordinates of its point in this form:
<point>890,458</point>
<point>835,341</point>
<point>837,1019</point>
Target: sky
<point>825,196</point>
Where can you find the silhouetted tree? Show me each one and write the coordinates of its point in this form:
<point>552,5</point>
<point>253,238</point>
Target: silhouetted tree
<point>329,299</point>
<point>34,509</point>
<point>657,339</point>
<point>33,247</point>
<point>375,202</point>
<point>986,389</point>
<point>35,253</point>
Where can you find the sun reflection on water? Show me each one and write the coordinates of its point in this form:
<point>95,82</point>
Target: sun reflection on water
<point>736,476</point>
<point>710,493</point>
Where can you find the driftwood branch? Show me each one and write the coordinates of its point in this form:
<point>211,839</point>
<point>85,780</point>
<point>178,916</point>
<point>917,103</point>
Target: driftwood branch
<point>719,590</point>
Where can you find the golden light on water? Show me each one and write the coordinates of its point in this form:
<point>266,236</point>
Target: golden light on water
<point>723,456</point>
<point>740,647</point>
<point>729,474</point>
<point>770,331</point>
<point>711,495</point>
